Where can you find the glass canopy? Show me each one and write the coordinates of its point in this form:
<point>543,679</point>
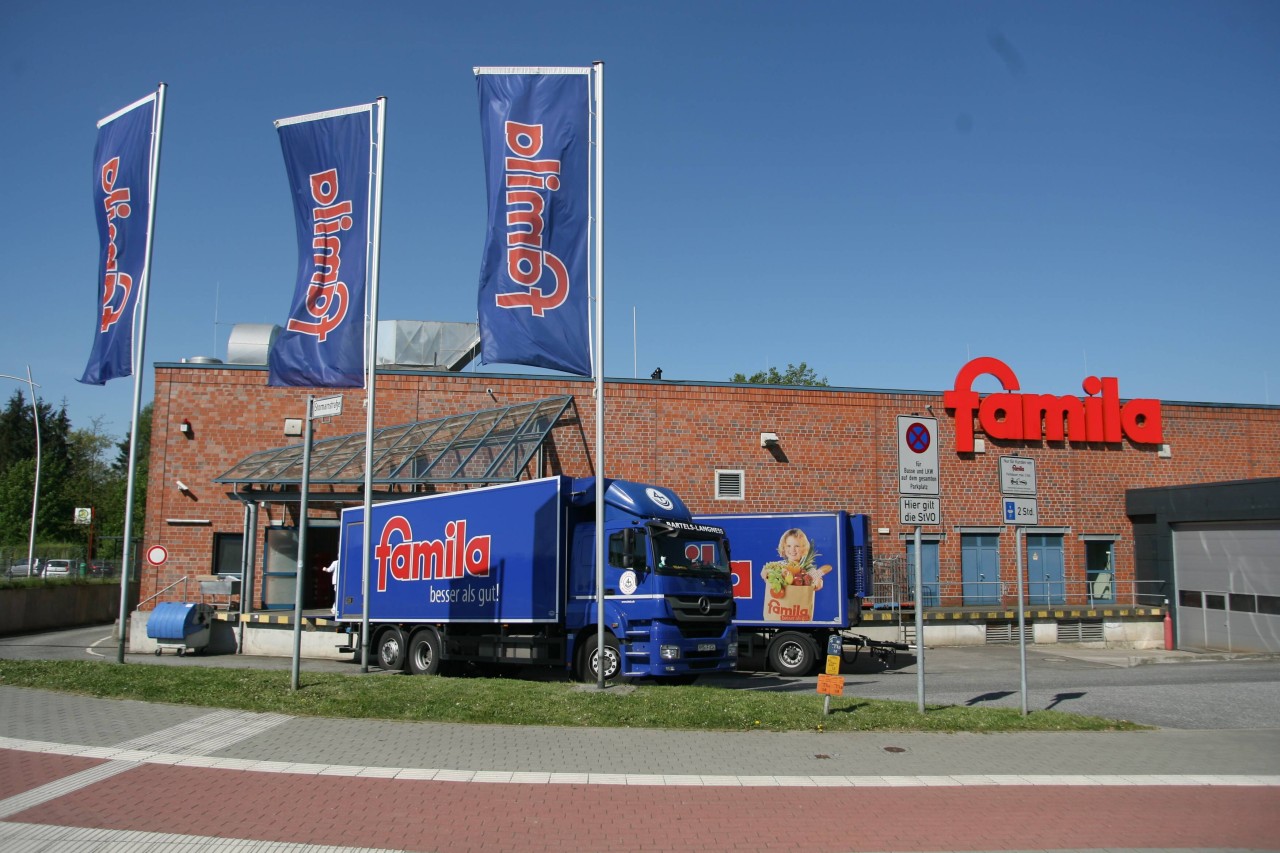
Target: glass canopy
<point>489,446</point>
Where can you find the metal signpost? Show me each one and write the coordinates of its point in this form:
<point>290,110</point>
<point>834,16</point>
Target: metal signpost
<point>1018,477</point>
<point>831,682</point>
<point>325,407</point>
<point>918,483</point>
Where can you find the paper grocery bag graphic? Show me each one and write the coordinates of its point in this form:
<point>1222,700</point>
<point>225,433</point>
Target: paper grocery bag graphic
<point>794,604</point>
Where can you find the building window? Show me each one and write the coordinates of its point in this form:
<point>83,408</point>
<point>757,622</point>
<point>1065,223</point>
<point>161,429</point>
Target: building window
<point>228,553</point>
<point>1243,602</point>
<point>729,486</point>
<point>1099,559</point>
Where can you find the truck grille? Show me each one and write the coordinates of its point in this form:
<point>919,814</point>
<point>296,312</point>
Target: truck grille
<point>701,615</point>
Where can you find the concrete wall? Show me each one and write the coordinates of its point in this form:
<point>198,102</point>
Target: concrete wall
<point>25,609</point>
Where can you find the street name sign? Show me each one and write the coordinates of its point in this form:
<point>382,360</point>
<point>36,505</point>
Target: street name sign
<point>327,407</point>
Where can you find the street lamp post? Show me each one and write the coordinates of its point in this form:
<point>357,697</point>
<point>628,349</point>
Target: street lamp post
<point>35,497</point>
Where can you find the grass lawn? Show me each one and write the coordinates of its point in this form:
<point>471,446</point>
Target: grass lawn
<point>510,701</point>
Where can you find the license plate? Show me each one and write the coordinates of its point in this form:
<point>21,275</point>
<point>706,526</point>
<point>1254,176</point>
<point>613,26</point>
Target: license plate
<point>706,647</point>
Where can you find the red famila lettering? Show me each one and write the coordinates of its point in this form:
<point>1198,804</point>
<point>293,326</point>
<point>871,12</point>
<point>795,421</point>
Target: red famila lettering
<point>327,300</point>
<point>1036,417</point>
<point>402,558</point>
<point>526,182</point>
<point>116,285</point>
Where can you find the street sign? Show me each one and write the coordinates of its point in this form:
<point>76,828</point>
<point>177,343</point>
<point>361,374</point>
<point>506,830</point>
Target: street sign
<point>919,511</point>
<point>917,455</point>
<point>84,515</point>
<point>327,407</point>
<point>157,554</point>
<point>1017,475</point>
<point>831,685</point>
<point>1020,511</point>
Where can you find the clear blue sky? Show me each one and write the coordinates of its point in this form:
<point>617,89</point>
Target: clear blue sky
<point>881,190</point>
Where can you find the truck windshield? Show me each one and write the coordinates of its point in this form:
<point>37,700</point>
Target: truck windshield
<point>688,548</point>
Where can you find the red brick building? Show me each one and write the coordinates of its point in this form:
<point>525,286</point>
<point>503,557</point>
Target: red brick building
<point>835,449</point>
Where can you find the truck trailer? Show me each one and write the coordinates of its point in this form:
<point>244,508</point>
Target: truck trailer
<point>799,578</point>
<point>506,575</point>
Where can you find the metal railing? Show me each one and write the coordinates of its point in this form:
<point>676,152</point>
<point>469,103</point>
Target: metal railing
<point>894,594</point>
<point>184,580</point>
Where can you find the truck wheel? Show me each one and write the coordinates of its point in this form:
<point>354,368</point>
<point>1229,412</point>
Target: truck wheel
<point>589,659</point>
<point>792,654</point>
<point>391,650</point>
<point>424,653</point>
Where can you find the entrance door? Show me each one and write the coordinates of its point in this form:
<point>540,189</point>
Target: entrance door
<point>980,568</point>
<point>928,571</point>
<point>1046,579</point>
<point>280,568</point>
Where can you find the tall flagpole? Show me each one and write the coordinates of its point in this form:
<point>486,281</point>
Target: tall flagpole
<point>370,382</point>
<point>125,564</point>
<point>599,368</point>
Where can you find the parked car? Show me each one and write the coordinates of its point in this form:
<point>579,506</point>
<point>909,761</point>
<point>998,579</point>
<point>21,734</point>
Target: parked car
<point>102,569</point>
<point>58,569</point>
<point>21,569</point>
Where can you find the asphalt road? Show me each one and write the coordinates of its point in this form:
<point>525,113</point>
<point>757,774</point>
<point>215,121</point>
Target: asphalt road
<point>1166,689</point>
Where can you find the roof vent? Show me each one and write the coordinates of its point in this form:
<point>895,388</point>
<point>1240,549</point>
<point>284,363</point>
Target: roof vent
<point>429,344</point>
<point>251,342</point>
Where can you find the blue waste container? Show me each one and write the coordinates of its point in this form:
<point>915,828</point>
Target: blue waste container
<point>182,625</point>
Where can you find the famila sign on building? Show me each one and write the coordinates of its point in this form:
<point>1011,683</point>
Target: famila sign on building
<point>1098,417</point>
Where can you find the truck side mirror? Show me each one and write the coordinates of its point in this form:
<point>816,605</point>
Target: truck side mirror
<point>628,548</point>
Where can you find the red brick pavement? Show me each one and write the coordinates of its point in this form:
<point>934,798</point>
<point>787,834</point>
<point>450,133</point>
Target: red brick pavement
<point>452,817</point>
<point>22,771</point>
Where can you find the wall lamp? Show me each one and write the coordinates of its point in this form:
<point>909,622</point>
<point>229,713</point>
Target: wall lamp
<point>185,428</point>
<point>768,439</point>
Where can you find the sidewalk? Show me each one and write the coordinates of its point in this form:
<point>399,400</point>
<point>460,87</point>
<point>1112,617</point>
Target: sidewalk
<point>78,772</point>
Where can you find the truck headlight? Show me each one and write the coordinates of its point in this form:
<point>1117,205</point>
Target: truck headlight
<point>669,652</point>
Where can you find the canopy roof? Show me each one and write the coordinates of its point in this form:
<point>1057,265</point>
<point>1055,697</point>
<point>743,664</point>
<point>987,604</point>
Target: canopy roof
<point>489,446</point>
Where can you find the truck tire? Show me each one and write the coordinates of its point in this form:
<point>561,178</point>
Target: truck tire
<point>792,654</point>
<point>424,653</point>
<point>588,657</point>
<point>390,647</point>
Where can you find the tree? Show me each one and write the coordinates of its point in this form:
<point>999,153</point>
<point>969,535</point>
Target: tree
<point>54,520</point>
<point>121,467</point>
<point>795,374</point>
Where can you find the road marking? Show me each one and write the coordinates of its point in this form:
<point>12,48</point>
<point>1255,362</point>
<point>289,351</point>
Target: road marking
<point>90,649</point>
<point>128,753</point>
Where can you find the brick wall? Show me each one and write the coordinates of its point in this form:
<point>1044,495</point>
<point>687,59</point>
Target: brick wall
<point>838,450</point>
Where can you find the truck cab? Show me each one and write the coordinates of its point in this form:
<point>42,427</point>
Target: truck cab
<point>668,599</point>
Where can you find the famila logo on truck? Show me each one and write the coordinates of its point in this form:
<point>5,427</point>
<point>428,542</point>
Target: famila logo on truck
<point>405,559</point>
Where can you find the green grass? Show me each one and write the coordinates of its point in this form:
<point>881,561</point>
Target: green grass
<point>510,701</point>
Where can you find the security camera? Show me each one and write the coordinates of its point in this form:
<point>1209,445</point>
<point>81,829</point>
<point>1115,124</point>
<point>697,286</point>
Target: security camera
<point>182,487</point>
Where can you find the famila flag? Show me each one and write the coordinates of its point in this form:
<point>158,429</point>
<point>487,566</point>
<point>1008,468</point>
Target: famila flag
<point>533,302</point>
<point>329,160</point>
<point>124,163</point>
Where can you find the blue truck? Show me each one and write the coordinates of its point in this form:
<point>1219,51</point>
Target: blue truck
<point>506,574</point>
<point>798,579</point>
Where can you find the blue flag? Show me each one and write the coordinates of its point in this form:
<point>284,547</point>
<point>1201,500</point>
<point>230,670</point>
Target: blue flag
<point>533,303</point>
<point>327,156</point>
<point>121,201</point>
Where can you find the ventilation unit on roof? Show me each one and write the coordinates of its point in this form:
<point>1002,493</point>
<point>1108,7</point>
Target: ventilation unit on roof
<point>251,342</point>
<point>425,343</point>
